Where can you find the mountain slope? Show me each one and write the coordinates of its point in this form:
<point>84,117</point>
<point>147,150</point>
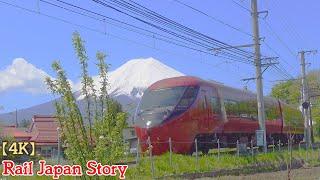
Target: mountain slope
<point>133,77</point>
<point>127,84</point>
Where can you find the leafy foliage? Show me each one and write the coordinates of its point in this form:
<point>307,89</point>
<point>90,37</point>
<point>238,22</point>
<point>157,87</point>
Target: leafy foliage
<point>101,139</point>
<point>289,91</point>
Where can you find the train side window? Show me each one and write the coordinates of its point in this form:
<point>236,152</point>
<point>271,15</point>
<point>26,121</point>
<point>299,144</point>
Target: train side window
<point>248,109</point>
<point>272,111</point>
<point>215,105</point>
<point>231,107</point>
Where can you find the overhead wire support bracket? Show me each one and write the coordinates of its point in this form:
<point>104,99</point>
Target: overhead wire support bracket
<point>310,51</point>
<point>268,61</point>
<point>248,79</point>
<point>266,13</point>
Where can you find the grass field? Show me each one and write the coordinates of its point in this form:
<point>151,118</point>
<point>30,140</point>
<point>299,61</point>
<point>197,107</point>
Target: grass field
<point>182,164</point>
<point>189,164</point>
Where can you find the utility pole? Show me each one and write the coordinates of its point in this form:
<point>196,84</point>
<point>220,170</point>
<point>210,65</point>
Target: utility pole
<point>311,122</point>
<point>305,98</point>
<point>17,117</point>
<point>257,60</point>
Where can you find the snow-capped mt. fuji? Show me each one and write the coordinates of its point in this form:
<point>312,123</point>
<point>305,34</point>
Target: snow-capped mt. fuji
<point>133,77</point>
<point>127,84</point>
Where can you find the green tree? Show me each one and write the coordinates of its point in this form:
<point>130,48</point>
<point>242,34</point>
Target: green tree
<point>101,139</point>
<point>289,91</point>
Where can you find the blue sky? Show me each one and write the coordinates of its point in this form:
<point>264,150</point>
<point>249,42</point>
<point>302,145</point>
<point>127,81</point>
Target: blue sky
<point>40,39</point>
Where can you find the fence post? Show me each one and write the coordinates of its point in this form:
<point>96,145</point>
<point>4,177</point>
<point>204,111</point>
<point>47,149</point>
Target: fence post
<point>288,145</point>
<point>319,153</point>
<point>238,152</point>
<point>170,147</point>
<point>299,146</point>
<point>138,151</point>
<point>306,151</point>
<point>251,147</point>
<point>273,145</point>
<point>150,156</point>
<point>279,145</point>
<point>218,149</point>
<point>196,145</point>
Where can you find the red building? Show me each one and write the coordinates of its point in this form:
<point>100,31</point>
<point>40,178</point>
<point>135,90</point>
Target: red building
<point>20,134</point>
<point>42,131</point>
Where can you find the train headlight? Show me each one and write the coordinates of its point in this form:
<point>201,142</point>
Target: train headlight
<point>148,123</point>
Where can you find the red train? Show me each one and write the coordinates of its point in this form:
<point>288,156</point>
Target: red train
<point>184,108</point>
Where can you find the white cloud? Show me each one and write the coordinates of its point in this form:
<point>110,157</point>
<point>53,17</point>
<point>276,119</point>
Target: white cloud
<point>23,76</point>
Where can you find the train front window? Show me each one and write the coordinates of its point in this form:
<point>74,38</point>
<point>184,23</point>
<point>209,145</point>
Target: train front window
<point>156,106</point>
<point>161,98</point>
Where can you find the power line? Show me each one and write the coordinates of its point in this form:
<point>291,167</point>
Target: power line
<point>49,16</point>
<point>279,39</point>
<point>140,10</point>
<point>195,37</point>
<point>97,31</point>
<point>279,68</point>
<point>88,28</point>
<point>151,35</point>
<point>276,53</point>
<point>241,6</point>
<point>213,18</point>
<point>165,39</point>
<point>289,26</point>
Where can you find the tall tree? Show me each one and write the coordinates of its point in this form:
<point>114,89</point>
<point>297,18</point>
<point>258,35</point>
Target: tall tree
<point>102,138</point>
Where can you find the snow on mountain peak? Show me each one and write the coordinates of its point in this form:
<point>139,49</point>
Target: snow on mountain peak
<point>133,77</point>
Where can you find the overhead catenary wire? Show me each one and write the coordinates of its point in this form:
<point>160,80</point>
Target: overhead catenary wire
<point>175,34</point>
<point>280,39</point>
<point>138,10</point>
<point>288,26</point>
<point>277,54</point>
<point>100,32</point>
<point>165,38</point>
<point>291,32</point>
<point>213,18</point>
<point>104,17</point>
<point>279,68</point>
<point>225,55</point>
<point>241,6</point>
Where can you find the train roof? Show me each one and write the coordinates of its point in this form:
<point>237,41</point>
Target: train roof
<point>177,81</point>
<point>228,91</point>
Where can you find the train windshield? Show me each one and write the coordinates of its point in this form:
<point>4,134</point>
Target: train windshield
<point>161,98</point>
<point>158,105</point>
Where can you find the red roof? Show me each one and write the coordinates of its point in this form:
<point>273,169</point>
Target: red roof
<point>44,130</point>
<point>13,131</point>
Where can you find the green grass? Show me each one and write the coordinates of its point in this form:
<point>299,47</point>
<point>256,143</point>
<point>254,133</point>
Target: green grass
<point>182,164</point>
<point>188,164</point>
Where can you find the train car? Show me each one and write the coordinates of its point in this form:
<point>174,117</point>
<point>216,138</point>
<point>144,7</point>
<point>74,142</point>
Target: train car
<point>187,108</point>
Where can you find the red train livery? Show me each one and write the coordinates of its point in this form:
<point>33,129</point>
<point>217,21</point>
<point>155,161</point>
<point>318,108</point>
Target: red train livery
<point>184,108</point>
